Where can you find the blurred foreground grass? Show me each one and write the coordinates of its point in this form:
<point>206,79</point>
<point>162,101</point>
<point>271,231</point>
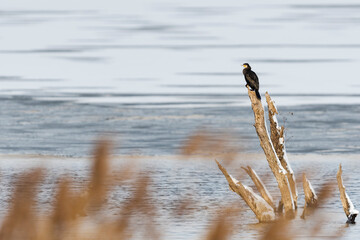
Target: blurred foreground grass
<point>81,215</point>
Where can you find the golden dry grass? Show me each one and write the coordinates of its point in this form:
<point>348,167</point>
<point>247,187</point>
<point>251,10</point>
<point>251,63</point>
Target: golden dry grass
<point>79,215</point>
<point>205,143</point>
<point>67,220</point>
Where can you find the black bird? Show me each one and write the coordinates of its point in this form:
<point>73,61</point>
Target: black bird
<point>251,79</point>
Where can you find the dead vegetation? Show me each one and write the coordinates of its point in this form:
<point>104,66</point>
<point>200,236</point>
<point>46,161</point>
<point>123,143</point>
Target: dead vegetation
<point>81,214</point>
<point>348,206</point>
<point>205,143</point>
<point>273,146</point>
<point>78,215</point>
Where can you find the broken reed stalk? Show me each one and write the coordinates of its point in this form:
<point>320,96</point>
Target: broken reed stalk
<point>263,211</point>
<point>278,141</point>
<point>279,172</point>
<point>260,186</point>
<point>311,199</point>
<point>348,206</point>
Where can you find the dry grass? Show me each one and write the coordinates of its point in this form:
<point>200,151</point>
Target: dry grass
<point>205,143</point>
<point>80,215</point>
<point>73,213</point>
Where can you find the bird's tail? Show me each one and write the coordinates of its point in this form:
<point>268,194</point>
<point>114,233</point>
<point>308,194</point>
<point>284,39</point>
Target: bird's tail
<point>257,94</point>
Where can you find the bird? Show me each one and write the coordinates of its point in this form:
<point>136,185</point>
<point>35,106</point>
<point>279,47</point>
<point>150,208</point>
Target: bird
<point>251,79</point>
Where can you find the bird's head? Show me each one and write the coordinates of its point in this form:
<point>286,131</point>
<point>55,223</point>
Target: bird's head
<point>246,65</point>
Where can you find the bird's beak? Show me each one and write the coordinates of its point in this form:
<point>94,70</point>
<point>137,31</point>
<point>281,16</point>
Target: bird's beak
<point>244,66</point>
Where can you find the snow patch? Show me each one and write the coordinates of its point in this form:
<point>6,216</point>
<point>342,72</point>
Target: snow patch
<point>352,209</point>
<point>281,169</point>
<point>275,120</point>
<point>312,189</point>
<point>273,103</point>
<point>234,179</point>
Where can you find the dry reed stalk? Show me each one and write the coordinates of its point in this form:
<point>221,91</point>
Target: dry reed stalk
<point>221,228</point>
<point>324,194</point>
<point>21,221</point>
<point>205,143</point>
<point>97,189</point>
<point>278,230</point>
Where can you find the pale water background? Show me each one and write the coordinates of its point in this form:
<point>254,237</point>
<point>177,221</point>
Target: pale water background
<point>150,73</point>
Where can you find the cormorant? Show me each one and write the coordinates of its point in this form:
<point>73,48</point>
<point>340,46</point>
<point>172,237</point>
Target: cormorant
<point>251,79</point>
